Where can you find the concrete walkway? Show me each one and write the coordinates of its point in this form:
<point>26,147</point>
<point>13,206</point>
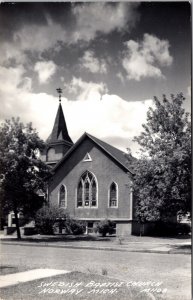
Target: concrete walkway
<point>16,278</point>
<point>145,247</point>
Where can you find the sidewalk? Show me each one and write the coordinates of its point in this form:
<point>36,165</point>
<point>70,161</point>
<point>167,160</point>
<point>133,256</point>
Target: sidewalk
<point>30,275</point>
<point>131,244</point>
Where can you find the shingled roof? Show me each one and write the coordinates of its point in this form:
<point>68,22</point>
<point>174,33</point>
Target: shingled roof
<point>113,152</point>
<point>59,131</point>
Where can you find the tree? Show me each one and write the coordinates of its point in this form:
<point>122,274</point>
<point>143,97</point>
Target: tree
<point>162,181</point>
<point>49,218</point>
<point>22,173</point>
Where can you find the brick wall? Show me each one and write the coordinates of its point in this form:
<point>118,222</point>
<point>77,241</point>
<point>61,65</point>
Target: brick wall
<point>105,170</point>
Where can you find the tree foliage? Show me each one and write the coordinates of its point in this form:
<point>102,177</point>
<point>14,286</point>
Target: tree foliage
<point>106,226</point>
<point>22,173</point>
<point>162,182</point>
<point>49,218</point>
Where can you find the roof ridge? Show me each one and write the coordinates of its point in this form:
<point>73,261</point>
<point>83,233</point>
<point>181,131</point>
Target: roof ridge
<point>115,153</point>
<point>122,154</point>
<point>106,143</point>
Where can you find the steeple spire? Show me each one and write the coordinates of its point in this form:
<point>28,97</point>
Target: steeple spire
<point>59,141</point>
<point>59,131</point>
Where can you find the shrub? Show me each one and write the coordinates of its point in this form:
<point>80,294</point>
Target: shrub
<point>75,226</point>
<point>184,228</point>
<point>48,216</point>
<point>171,229</point>
<point>106,226</point>
<point>49,219</point>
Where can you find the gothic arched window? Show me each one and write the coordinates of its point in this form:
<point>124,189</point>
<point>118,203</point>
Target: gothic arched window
<point>87,191</point>
<point>113,195</point>
<point>62,196</point>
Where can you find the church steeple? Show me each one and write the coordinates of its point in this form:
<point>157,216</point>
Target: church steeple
<point>59,131</point>
<point>59,141</point>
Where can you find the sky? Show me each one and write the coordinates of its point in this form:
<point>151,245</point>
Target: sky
<point>110,59</point>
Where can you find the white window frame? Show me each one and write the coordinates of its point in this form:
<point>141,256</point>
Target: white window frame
<point>65,196</point>
<point>117,195</point>
<point>89,206</point>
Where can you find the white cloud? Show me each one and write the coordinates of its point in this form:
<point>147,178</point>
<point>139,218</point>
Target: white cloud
<point>94,18</point>
<point>17,99</point>
<point>45,70</point>
<point>111,119</point>
<point>157,48</point>
<point>32,38</point>
<point>10,78</point>
<point>89,19</point>
<point>92,63</point>
<point>13,85</point>
<point>86,91</point>
<point>121,77</point>
<point>144,59</point>
<point>11,51</point>
<point>106,116</point>
<point>39,37</point>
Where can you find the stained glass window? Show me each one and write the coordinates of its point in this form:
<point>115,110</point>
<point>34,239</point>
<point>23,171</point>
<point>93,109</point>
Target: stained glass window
<point>113,195</point>
<point>62,197</point>
<point>87,191</point>
<point>79,194</point>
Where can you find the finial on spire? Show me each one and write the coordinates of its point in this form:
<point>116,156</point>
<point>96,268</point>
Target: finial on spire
<point>59,90</point>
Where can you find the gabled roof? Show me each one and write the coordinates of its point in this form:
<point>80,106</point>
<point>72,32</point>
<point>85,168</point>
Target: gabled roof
<point>59,131</point>
<point>116,154</point>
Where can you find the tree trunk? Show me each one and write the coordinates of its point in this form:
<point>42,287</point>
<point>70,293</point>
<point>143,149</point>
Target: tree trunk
<point>17,225</point>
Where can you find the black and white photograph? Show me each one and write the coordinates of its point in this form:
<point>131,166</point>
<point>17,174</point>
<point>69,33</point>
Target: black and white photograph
<point>95,150</point>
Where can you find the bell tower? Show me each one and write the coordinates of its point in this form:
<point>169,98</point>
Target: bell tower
<point>59,141</point>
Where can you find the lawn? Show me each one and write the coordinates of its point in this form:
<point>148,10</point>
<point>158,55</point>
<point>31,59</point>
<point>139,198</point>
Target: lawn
<point>77,285</point>
<point>109,239</point>
<point>6,269</point>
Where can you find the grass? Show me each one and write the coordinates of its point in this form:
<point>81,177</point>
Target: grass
<point>95,238</point>
<point>62,238</point>
<point>37,290</point>
<point>4,270</point>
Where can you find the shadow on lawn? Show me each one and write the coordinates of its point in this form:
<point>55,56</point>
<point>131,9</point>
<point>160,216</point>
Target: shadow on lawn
<point>181,249</point>
<point>94,238</point>
<point>61,238</point>
<point>4,270</point>
<point>179,236</point>
<point>6,267</point>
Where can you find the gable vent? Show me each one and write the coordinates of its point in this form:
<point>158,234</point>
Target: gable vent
<point>87,157</point>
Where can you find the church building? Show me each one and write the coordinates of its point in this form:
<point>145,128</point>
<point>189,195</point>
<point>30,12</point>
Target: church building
<point>91,179</point>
